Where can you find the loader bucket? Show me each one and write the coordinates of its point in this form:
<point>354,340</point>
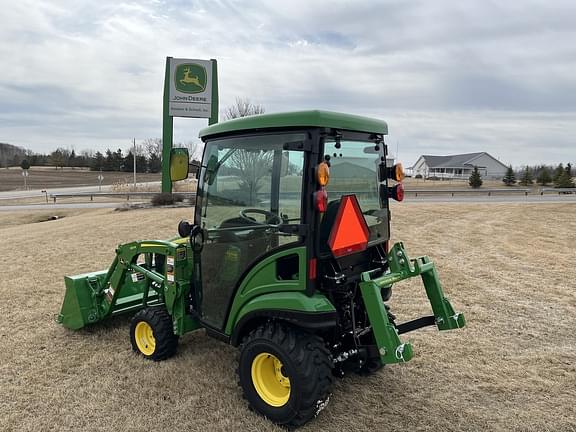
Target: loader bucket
<point>80,306</point>
<point>87,301</point>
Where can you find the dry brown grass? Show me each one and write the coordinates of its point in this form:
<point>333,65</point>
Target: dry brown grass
<point>509,267</point>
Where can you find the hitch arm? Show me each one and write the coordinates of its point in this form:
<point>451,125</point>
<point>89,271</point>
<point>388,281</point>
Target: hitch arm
<point>392,350</point>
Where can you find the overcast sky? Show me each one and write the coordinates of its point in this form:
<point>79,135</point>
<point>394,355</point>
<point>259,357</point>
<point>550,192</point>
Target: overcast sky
<point>447,76</point>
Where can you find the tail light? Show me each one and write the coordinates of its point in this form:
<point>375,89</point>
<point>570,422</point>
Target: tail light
<point>396,192</point>
<point>321,200</point>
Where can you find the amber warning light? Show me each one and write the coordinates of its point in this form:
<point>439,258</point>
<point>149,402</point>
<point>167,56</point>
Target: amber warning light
<point>350,232</point>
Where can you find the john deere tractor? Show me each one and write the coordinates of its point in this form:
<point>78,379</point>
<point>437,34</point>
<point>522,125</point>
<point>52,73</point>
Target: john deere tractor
<point>287,258</point>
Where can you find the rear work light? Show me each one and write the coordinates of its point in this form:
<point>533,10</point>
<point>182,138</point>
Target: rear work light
<point>396,172</point>
<point>396,192</point>
<point>323,174</point>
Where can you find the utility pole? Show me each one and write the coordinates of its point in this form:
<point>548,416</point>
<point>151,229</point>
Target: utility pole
<point>134,158</point>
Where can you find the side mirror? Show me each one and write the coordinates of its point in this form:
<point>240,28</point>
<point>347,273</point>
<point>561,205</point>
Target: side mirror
<point>179,160</point>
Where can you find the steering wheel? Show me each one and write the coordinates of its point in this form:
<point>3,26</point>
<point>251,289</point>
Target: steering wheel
<point>271,218</point>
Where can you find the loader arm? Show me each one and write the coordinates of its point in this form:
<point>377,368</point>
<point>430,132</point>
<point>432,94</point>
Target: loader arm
<point>143,273</point>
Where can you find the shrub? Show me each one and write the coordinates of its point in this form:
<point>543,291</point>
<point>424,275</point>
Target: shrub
<point>418,176</point>
<point>166,198</point>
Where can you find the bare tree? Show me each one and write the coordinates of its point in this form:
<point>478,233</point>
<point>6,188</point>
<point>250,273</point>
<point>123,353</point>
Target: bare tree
<point>153,147</point>
<point>194,149</point>
<point>241,108</point>
<point>252,166</point>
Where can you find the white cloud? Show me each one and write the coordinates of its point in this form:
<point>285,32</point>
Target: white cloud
<point>447,76</point>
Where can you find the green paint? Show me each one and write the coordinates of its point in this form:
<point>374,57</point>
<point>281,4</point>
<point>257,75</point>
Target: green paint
<point>167,131</point>
<point>215,105</point>
<point>392,350</point>
<point>299,119</point>
<point>128,286</point>
<point>278,300</point>
<point>262,280</point>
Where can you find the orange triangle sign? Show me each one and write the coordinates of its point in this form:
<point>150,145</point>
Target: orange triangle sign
<point>350,232</point>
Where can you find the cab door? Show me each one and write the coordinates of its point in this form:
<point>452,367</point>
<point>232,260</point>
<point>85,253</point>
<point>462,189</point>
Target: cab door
<point>250,186</point>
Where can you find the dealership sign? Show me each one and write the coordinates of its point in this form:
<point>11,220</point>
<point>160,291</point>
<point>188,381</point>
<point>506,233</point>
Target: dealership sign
<point>190,88</point>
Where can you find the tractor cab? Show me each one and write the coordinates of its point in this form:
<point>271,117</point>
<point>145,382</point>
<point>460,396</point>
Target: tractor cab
<point>269,190</point>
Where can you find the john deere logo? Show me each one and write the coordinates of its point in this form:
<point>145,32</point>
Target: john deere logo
<point>190,78</point>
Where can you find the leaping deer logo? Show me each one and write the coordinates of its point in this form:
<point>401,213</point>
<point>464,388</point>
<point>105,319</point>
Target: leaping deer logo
<point>190,79</point>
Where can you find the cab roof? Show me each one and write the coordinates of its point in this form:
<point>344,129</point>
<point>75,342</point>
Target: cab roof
<point>295,119</point>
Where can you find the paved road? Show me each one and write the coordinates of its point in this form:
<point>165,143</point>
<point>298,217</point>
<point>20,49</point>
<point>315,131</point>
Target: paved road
<point>494,199</point>
<point>530,199</point>
<point>48,207</point>
<point>76,189</point>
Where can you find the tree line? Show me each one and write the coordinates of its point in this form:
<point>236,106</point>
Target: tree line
<point>148,157</point>
<point>544,175</point>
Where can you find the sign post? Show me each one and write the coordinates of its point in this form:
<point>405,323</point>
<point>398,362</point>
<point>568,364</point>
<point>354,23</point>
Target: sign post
<point>25,175</point>
<point>190,90</point>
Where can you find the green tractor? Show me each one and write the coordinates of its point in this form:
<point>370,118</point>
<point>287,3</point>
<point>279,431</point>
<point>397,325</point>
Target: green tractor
<point>288,259</point>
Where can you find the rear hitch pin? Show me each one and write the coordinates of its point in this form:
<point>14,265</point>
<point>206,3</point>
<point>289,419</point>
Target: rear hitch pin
<point>400,352</point>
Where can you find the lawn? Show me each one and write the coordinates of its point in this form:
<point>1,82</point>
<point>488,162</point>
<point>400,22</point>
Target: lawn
<point>508,267</point>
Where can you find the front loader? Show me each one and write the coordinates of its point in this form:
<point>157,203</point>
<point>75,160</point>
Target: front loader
<point>287,258</point>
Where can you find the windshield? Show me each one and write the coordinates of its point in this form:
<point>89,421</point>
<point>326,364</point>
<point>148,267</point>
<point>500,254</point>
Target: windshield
<point>354,170</point>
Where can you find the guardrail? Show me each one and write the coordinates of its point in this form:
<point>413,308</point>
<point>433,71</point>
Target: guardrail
<point>467,191</point>
<point>189,195</point>
<point>559,190</point>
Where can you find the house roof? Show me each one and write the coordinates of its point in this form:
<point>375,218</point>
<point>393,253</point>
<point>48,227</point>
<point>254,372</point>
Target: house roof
<point>298,119</point>
<point>455,161</point>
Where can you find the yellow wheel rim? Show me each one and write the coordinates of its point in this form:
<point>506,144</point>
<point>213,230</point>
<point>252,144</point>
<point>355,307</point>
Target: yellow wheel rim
<point>269,380</point>
<point>145,338</point>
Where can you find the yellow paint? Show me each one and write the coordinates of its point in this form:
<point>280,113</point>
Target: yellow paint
<point>144,336</point>
<point>269,381</point>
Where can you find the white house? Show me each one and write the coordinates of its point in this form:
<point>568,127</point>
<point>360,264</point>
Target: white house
<point>458,166</point>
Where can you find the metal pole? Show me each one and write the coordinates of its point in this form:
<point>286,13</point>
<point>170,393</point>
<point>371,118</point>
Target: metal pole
<point>167,128</point>
<point>214,112</point>
<point>134,158</point>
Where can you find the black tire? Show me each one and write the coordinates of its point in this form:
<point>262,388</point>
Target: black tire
<point>305,362</point>
<point>164,340</point>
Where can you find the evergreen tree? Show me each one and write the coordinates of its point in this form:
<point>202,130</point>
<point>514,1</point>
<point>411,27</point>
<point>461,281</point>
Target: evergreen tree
<point>564,181</point>
<point>569,169</point>
<point>543,177</point>
<point>118,159</point>
<point>98,162</point>
<point>154,163</point>
<point>72,159</point>
<point>128,162</point>
<point>109,161</point>
<point>25,164</point>
<point>141,164</point>
<point>557,173</point>
<point>475,179</point>
<point>509,178</point>
<point>526,178</point>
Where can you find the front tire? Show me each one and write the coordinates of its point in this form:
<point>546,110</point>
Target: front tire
<point>151,334</point>
<point>285,373</point>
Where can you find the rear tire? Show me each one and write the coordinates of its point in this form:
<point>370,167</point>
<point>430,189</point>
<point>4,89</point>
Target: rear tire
<point>151,334</point>
<point>285,373</point>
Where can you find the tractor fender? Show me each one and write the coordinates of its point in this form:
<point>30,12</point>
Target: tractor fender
<point>314,313</point>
